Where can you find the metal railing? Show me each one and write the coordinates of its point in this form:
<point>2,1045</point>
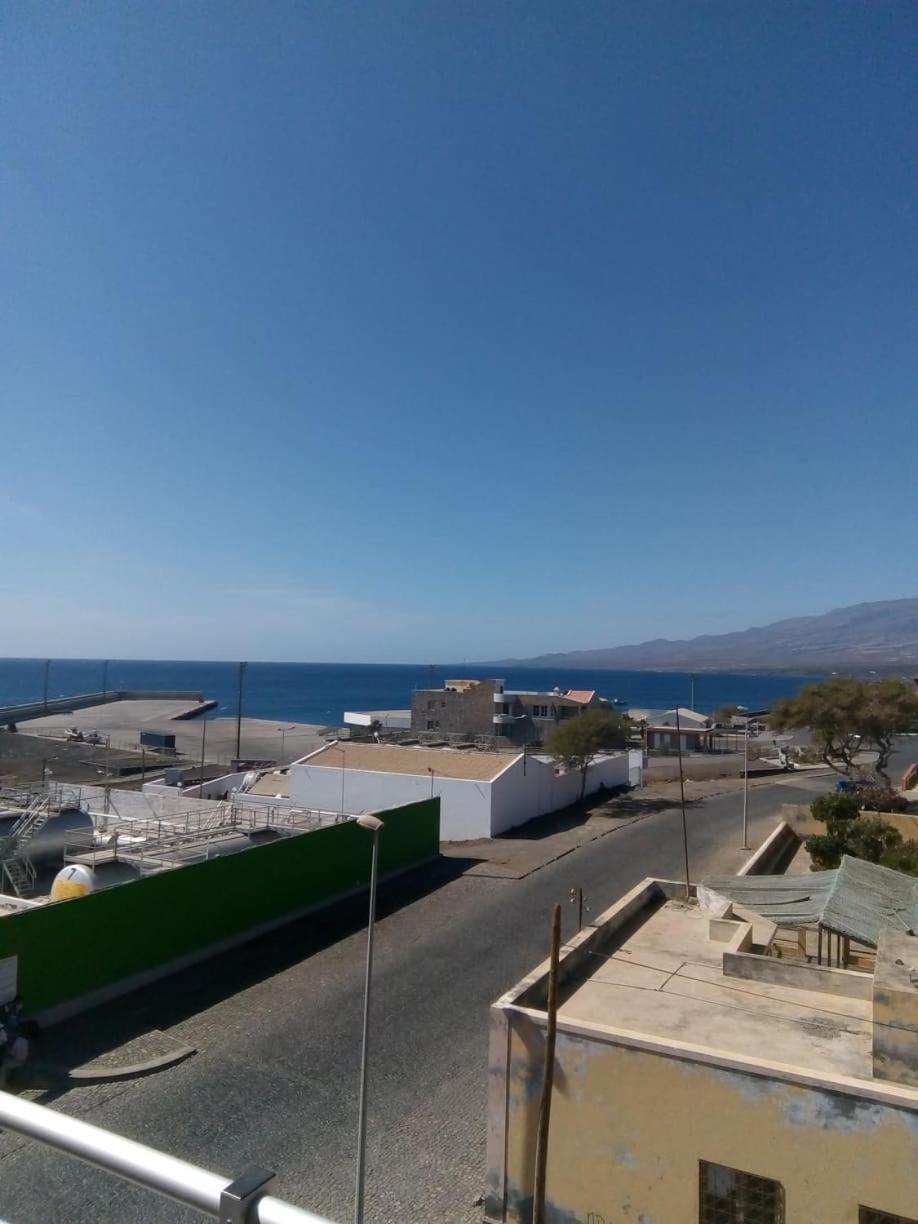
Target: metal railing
<point>231,1201</point>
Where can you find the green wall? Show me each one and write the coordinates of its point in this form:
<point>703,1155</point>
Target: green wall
<point>70,947</point>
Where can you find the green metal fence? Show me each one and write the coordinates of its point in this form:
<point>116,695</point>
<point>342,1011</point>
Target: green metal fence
<point>70,948</point>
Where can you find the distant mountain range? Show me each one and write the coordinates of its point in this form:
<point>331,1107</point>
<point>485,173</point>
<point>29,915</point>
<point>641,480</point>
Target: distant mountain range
<point>881,636</point>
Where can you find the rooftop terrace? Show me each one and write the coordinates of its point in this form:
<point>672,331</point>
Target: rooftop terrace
<point>660,970</point>
<point>664,975</point>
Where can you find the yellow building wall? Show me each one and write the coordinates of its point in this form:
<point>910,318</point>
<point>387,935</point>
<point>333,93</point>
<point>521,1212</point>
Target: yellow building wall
<point>629,1127</point>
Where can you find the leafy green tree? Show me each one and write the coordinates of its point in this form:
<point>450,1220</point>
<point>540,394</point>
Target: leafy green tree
<point>576,743</point>
<point>863,837</point>
<point>903,857</point>
<point>846,716</point>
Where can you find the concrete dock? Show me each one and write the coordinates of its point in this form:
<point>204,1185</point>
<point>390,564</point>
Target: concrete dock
<point>120,723</point>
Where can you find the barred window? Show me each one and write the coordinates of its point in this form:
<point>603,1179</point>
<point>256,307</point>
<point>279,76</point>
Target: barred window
<point>729,1196</point>
<point>869,1215</point>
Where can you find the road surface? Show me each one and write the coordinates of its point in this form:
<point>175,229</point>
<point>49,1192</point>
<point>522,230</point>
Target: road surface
<point>277,1026</point>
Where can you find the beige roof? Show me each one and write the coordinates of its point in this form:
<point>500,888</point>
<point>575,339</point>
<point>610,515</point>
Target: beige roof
<point>396,758</point>
<point>272,784</point>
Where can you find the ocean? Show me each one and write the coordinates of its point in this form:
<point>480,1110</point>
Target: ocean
<point>321,692</point>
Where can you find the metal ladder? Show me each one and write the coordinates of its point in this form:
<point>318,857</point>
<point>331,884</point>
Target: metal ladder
<point>17,867</point>
<point>21,874</point>
<point>31,822</point>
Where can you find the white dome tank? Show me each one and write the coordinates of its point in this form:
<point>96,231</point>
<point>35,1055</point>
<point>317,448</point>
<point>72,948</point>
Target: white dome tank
<point>74,880</point>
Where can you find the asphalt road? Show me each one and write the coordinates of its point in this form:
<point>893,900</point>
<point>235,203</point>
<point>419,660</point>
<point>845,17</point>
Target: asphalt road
<point>277,1026</point>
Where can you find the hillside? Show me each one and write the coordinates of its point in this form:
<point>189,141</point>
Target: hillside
<point>865,636</point>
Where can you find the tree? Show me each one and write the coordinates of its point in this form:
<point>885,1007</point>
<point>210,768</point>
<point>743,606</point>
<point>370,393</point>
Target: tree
<point>863,837</point>
<point>576,743</point>
<point>846,716</point>
<point>726,713</point>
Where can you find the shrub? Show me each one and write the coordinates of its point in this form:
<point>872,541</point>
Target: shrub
<point>835,808</point>
<point>879,799</point>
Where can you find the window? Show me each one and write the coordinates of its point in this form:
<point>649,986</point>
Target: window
<point>432,724</point>
<point>728,1196</point>
<point>869,1215</point>
<point>540,711</point>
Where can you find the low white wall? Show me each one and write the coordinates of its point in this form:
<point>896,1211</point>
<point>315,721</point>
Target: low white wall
<point>636,767</point>
<point>465,806</point>
<point>218,788</point>
<point>530,787</point>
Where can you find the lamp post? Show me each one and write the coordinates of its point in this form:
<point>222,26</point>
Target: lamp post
<point>746,785</point>
<point>373,824</point>
<point>203,749</point>
<point>283,735</point>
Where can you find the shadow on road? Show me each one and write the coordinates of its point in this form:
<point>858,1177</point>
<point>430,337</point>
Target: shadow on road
<point>622,804</point>
<point>166,1003</point>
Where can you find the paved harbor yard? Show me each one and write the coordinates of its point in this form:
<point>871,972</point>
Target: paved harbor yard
<point>122,722</point>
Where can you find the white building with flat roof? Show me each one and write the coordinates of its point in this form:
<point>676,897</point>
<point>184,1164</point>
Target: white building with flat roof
<point>481,794</point>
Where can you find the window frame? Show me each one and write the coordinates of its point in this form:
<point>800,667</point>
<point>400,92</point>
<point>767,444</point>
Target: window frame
<point>779,1215</point>
<point>874,1215</point>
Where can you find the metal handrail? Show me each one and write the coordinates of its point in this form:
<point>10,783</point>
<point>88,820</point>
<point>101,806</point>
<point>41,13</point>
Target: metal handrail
<point>145,1166</point>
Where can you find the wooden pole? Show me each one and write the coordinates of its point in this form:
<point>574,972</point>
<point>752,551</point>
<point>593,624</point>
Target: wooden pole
<point>538,1195</point>
<point>688,887</point>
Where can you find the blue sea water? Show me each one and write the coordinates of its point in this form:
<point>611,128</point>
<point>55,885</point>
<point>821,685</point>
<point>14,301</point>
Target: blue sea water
<point>321,692</point>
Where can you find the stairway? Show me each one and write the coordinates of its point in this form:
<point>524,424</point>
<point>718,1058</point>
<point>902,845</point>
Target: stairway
<point>16,865</point>
<point>21,875</point>
<point>30,822</point>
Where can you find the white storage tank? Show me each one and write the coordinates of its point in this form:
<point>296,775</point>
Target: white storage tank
<point>47,844</point>
<point>74,880</point>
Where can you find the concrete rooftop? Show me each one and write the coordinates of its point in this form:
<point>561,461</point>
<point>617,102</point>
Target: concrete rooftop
<point>395,758</point>
<point>272,783</point>
<point>661,976</point>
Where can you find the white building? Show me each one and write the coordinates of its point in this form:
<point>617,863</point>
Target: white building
<point>388,720</point>
<point>481,794</point>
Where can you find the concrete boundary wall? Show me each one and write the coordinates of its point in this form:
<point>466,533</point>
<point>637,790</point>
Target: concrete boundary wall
<point>801,819</point>
<point>73,954</point>
<point>845,983</point>
<point>775,852</point>
<point>81,701</point>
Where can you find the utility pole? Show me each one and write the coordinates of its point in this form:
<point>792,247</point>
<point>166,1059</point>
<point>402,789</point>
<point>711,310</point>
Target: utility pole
<point>239,712</point>
<point>688,890</point>
<point>692,706</point>
<point>203,743</point>
<point>551,1028</point>
<point>746,786</point>
<point>373,824</point>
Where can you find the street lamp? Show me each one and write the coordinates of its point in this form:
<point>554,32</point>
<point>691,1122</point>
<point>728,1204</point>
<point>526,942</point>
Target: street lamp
<point>283,734</point>
<point>373,824</point>
<point>746,786</point>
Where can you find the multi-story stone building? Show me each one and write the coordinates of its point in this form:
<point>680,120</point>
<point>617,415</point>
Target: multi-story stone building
<point>479,708</point>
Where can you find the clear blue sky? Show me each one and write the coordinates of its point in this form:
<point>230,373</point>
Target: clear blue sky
<point>430,330</point>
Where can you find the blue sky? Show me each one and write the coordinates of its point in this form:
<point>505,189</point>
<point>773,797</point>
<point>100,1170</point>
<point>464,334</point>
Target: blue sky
<point>431,330</point>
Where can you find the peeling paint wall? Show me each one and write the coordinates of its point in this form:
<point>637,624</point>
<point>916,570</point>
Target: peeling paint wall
<point>628,1128</point>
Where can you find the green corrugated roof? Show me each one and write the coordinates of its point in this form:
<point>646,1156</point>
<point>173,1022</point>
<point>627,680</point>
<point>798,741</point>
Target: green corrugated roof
<point>857,899</point>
